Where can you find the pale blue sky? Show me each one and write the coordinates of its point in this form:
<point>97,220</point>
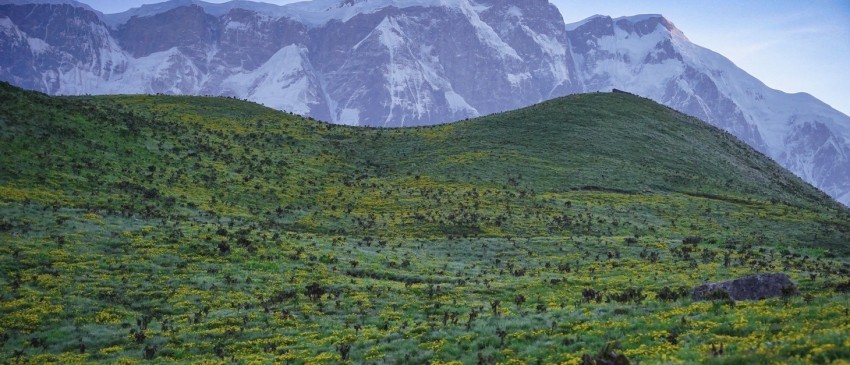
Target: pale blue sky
<point>791,45</point>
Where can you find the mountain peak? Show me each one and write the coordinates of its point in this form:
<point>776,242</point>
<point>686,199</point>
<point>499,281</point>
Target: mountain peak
<point>575,25</point>
<point>646,23</point>
<point>641,24</point>
<point>639,18</point>
<point>73,3</point>
<point>210,8</point>
<point>319,12</point>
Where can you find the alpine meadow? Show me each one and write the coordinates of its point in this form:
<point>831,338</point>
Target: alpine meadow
<point>183,229</point>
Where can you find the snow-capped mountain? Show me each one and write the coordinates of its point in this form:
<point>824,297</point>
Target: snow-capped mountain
<point>410,62</point>
<point>365,62</point>
<point>648,56</point>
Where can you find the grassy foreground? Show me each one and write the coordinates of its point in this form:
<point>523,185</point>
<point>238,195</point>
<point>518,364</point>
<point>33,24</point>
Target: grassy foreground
<point>139,229</point>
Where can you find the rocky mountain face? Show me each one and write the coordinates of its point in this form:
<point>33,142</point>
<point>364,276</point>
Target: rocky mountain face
<point>410,62</point>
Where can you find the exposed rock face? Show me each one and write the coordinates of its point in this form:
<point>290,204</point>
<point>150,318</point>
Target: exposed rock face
<point>147,35</point>
<point>755,287</point>
<point>57,49</point>
<point>411,62</point>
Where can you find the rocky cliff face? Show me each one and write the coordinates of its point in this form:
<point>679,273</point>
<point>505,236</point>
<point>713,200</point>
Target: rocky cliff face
<point>433,64</point>
<point>411,62</point>
<point>355,62</point>
<point>57,48</point>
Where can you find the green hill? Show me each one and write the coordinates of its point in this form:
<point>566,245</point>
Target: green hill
<point>186,229</point>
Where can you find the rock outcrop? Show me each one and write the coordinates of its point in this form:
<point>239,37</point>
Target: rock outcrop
<point>755,287</point>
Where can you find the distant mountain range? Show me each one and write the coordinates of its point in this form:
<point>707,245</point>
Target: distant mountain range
<point>411,62</point>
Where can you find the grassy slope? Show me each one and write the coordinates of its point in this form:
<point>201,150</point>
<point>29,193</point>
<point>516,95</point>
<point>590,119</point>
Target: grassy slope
<point>208,217</point>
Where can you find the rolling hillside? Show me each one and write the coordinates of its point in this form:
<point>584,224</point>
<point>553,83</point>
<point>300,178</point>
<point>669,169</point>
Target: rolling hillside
<point>187,229</point>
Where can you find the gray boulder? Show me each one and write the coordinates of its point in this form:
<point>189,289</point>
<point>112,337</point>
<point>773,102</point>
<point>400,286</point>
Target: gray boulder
<point>755,287</point>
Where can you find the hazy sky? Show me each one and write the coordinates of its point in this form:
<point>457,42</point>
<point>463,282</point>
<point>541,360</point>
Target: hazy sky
<point>791,45</point>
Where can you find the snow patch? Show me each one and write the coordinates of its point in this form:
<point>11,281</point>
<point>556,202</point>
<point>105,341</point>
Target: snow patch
<point>11,30</point>
<point>458,104</point>
<point>391,34</point>
<point>403,74</point>
<point>557,53</point>
<point>844,199</point>
<point>485,33</point>
<point>7,23</point>
<point>238,26</point>
<point>349,116</point>
<point>283,82</point>
<point>548,44</point>
<point>514,11</point>
<point>621,58</point>
<point>517,79</point>
<point>37,46</point>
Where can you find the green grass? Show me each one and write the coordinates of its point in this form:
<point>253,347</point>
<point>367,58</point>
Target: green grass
<point>201,222</point>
